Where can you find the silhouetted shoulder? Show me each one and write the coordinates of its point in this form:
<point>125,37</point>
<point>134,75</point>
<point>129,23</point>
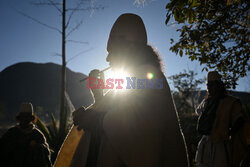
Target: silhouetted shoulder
<point>12,129</point>
<point>232,98</point>
<point>38,135</point>
<point>11,132</point>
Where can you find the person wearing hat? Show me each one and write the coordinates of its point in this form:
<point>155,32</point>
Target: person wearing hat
<point>24,145</point>
<point>221,124</point>
<point>135,127</point>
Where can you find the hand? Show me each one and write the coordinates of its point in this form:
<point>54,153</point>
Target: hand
<point>97,93</point>
<point>86,119</point>
<point>78,116</point>
<point>94,73</point>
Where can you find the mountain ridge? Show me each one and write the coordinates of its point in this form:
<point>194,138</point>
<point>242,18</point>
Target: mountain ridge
<point>38,83</point>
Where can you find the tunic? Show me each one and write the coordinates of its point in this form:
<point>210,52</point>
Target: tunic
<point>220,148</point>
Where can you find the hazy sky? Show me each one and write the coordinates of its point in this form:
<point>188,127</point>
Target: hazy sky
<point>25,40</point>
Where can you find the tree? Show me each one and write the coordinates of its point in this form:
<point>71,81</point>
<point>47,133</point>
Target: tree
<point>66,16</point>
<point>188,90</point>
<point>186,98</point>
<point>56,136</point>
<point>216,33</point>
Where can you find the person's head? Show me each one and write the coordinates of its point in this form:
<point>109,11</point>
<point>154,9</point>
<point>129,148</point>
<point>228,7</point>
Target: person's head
<point>26,114</point>
<point>215,86</point>
<point>127,44</point>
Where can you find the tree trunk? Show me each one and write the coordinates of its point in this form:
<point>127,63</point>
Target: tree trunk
<point>63,84</point>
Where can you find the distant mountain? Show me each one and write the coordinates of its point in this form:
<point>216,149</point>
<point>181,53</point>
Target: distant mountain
<point>39,84</point>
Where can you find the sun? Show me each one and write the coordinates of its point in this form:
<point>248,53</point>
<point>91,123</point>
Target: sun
<point>118,74</point>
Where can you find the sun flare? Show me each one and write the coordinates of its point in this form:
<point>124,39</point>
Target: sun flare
<point>118,74</point>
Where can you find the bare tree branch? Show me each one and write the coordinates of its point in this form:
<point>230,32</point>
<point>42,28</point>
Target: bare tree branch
<point>57,54</point>
<point>78,54</point>
<point>53,3</point>
<point>37,21</point>
<point>87,9</point>
<point>75,28</point>
<point>70,16</point>
<point>43,4</point>
<point>74,41</point>
<point>50,3</point>
<point>73,11</point>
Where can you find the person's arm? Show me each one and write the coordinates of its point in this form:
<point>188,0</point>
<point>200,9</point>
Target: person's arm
<point>97,92</point>
<point>6,141</point>
<point>40,149</point>
<point>87,119</point>
<point>237,135</point>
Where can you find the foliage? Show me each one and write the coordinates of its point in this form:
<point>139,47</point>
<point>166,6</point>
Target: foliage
<point>55,134</point>
<point>186,100</point>
<point>216,33</point>
<point>187,90</point>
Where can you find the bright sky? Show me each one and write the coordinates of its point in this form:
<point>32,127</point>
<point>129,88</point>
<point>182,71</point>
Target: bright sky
<point>25,40</point>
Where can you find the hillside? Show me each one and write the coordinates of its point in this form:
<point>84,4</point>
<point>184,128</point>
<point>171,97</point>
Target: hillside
<point>39,84</point>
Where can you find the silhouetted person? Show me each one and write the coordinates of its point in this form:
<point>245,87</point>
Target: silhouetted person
<point>135,127</point>
<point>221,124</point>
<point>24,145</point>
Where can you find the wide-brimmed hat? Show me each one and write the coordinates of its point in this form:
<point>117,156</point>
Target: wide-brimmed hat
<point>213,76</point>
<point>26,109</point>
<point>128,28</point>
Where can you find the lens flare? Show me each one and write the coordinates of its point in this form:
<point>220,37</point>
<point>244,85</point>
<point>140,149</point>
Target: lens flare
<point>150,75</point>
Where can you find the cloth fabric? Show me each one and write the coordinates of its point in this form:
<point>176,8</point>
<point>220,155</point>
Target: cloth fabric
<point>207,117</point>
<point>138,127</point>
<point>221,148</point>
<point>24,147</point>
<point>214,154</point>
